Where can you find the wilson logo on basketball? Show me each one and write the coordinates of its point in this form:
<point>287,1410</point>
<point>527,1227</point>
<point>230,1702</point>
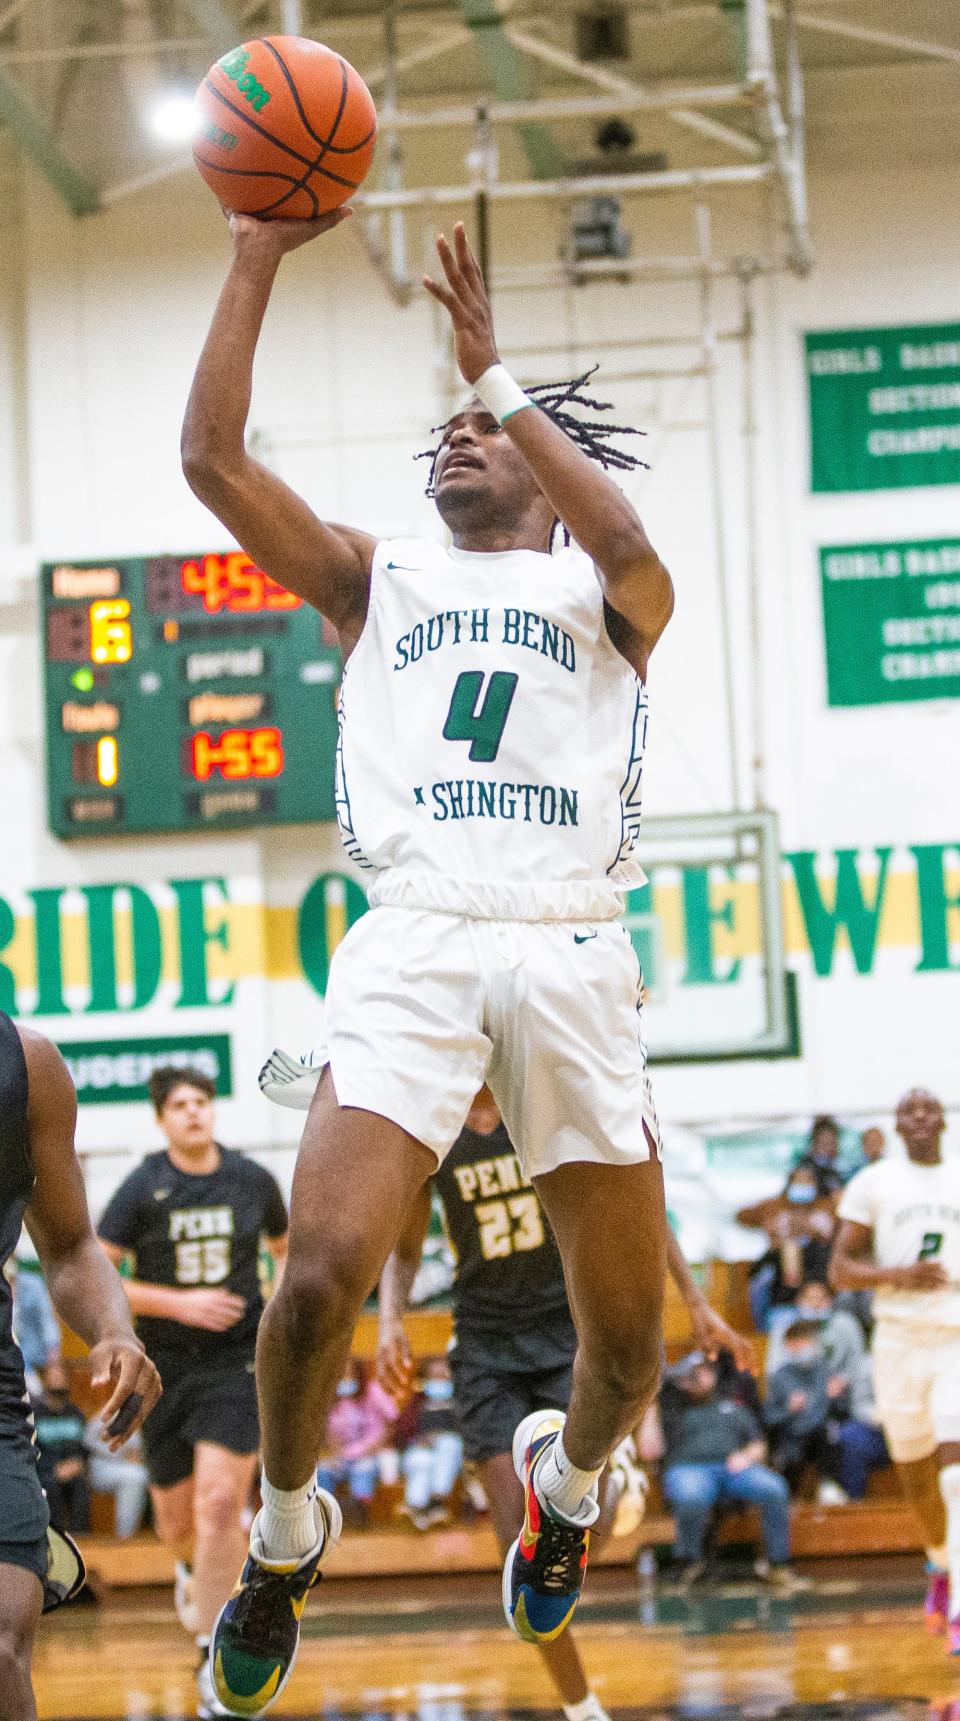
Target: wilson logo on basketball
<point>234,67</point>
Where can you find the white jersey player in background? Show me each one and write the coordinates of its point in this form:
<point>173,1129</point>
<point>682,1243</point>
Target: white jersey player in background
<point>492,731</point>
<point>900,1237</point>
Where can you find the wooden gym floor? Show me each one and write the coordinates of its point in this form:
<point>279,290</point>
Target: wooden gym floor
<point>436,1649</point>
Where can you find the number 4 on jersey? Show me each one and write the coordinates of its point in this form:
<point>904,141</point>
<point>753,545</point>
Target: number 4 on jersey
<point>482,727</point>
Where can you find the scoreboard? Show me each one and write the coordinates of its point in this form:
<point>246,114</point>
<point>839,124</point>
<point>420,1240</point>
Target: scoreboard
<point>185,694</point>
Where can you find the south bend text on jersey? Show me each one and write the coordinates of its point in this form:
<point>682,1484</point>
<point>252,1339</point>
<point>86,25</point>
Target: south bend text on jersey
<point>523,628</point>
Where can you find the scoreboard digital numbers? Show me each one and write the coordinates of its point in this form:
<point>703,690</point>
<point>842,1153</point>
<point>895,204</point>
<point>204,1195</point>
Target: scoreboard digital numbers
<point>185,694</point>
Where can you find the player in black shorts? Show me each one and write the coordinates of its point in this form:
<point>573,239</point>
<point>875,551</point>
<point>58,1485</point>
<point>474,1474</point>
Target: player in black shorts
<point>41,1183</point>
<point>194,1218</point>
<point>515,1338</point>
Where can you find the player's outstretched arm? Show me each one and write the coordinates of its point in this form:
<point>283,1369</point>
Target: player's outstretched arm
<point>710,1331</point>
<point>86,1289</point>
<point>394,1362</point>
<point>327,565</point>
<point>635,583</point>
<point>853,1268</point>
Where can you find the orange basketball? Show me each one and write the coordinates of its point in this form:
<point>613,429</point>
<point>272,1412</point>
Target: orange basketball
<point>285,128</point>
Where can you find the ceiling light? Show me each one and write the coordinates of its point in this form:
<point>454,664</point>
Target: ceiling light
<point>173,117</point>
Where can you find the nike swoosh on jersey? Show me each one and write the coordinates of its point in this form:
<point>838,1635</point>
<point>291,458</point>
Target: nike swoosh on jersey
<point>400,568</point>
<point>160,1194</point>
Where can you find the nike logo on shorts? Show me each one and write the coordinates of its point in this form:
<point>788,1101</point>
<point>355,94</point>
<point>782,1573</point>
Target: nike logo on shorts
<point>583,937</point>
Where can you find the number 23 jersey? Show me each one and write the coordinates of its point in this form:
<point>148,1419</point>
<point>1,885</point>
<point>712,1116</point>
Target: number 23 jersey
<point>195,1233</point>
<point>509,1276</point>
<point>489,728</point>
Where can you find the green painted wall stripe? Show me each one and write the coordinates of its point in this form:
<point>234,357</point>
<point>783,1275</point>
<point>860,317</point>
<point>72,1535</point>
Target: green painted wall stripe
<point>37,141</point>
<point>510,76</point>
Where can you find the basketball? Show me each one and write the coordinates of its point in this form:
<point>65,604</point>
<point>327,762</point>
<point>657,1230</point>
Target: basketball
<point>285,129</point>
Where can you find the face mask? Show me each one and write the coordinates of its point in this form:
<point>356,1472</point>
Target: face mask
<point>438,1389</point>
<point>802,1194</point>
<point>347,1389</point>
<point>818,1315</point>
<point>822,1157</point>
<point>806,1356</point>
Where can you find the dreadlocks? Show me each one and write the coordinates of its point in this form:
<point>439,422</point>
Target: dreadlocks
<point>554,398</point>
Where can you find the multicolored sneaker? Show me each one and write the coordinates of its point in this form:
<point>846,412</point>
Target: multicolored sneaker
<point>257,1634</point>
<point>543,1572</point>
<point>937,1605</point>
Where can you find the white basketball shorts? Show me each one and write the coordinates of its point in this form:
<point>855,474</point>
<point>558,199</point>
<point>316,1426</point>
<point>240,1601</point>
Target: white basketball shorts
<point>424,1007</point>
<point>916,1375</point>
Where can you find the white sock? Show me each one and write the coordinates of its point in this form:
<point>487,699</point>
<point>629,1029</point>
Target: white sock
<point>560,1485</point>
<point>950,1490</point>
<point>590,1709</point>
<point>288,1522</point>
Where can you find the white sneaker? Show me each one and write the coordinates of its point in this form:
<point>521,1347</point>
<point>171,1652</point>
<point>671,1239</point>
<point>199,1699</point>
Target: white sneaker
<point>292,1082</point>
<point>183,1602</point>
<point>831,1494</point>
<point>634,1485</point>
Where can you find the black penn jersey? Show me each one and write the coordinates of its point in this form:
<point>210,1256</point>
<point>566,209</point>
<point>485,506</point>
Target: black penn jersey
<point>508,1269</point>
<point>197,1232</point>
<point>16,1185</point>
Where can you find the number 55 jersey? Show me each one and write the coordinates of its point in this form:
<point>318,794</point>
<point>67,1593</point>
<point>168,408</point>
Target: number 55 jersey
<point>195,1232</point>
<point>490,730</point>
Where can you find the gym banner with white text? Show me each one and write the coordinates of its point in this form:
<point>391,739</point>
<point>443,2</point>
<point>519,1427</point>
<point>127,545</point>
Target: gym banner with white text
<point>884,407</point>
<point>891,619</point>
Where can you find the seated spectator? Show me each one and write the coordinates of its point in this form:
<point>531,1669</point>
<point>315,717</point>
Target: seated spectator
<point>823,1154</point>
<point>800,1224</point>
<point>862,1446</point>
<point>358,1429</point>
<point>805,1399</point>
<point>713,1452</point>
<point>432,1462</point>
<point>121,1474</point>
<point>839,1333</point>
<point>62,1457</point>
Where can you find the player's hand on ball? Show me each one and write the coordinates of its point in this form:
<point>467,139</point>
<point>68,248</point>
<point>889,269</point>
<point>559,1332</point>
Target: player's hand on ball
<point>465,297</point>
<point>216,1310</point>
<point>273,239</point>
<point>122,1365</point>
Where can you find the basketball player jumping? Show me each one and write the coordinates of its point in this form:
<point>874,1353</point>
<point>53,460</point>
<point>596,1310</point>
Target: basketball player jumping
<point>493,721</point>
<point>41,1182</point>
<point>515,1339</point>
<point>900,1237</point>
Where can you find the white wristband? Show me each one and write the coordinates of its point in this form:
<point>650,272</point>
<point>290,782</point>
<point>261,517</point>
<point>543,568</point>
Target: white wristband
<point>500,394</point>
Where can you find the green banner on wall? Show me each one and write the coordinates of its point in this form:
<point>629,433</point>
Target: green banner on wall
<point>106,1072</point>
<point>884,407</point>
<point>891,617</point>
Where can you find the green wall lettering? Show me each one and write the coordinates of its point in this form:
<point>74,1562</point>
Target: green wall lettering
<point>699,916</point>
<point>313,937</point>
<point>935,906</point>
<point>850,910</point>
<point>8,985</point>
<point>145,940</point>
<point>195,935</point>
<point>46,932</point>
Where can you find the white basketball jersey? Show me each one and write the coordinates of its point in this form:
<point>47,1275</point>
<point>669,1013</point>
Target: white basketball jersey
<point>914,1213</point>
<point>489,729</point>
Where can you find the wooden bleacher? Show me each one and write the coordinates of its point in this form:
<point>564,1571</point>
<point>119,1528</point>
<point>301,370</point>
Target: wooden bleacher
<point>882,1524</point>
